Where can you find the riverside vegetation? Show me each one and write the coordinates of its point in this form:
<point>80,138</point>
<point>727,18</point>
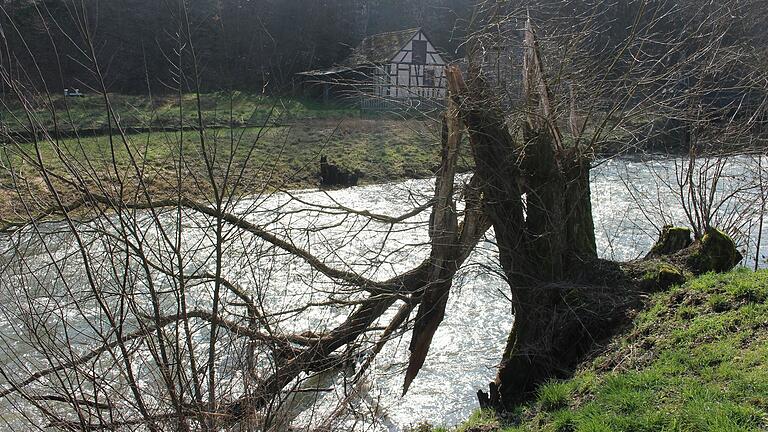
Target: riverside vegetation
<point>695,360</point>
<point>281,139</point>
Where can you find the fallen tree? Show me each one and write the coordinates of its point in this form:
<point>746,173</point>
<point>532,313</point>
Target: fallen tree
<point>156,331</point>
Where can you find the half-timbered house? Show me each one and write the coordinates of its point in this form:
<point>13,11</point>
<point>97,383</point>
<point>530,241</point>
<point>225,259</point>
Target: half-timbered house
<point>401,67</point>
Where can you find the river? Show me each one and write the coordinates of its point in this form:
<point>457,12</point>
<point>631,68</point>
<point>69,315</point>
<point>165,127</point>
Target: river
<point>632,199</point>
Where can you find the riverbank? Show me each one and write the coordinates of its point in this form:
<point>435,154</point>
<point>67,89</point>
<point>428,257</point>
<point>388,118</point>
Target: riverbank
<point>277,157</point>
<point>172,111</point>
<point>477,323</point>
<point>277,144</point>
<point>695,360</point>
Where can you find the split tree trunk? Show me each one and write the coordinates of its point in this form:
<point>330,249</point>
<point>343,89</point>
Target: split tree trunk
<point>444,234</point>
<point>543,236</point>
<point>564,299</point>
<point>557,239</point>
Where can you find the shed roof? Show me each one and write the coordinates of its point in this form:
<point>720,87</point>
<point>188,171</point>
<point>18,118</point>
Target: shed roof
<point>328,71</point>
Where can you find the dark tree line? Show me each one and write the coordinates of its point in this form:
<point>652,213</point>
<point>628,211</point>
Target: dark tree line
<point>259,45</point>
<point>234,44</point>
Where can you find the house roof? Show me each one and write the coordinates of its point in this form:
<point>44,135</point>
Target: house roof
<point>380,48</point>
<point>373,50</point>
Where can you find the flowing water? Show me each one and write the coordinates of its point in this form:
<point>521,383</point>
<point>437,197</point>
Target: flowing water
<point>632,199</point>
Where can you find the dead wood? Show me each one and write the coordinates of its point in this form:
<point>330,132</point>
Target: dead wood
<point>445,238</point>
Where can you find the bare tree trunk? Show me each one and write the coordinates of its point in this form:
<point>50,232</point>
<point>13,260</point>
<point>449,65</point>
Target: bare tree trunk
<point>444,233</point>
<point>565,299</point>
<point>538,199</point>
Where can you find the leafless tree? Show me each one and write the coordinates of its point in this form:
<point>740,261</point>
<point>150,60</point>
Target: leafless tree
<point>678,74</point>
<point>204,295</point>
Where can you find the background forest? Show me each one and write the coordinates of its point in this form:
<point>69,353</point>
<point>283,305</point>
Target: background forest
<point>255,44</point>
<point>239,44</point>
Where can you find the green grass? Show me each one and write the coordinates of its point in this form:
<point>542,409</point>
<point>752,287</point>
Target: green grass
<point>696,360</point>
<point>279,156</point>
<point>382,150</point>
<point>220,108</point>
<point>277,142</point>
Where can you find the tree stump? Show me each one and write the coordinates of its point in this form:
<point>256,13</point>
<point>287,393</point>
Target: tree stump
<point>671,240</point>
<point>332,176</point>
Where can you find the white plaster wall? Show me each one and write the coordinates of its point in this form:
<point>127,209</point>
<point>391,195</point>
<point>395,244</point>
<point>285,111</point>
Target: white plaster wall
<point>402,69</point>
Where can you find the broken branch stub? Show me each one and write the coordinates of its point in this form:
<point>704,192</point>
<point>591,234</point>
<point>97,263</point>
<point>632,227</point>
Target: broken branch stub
<point>445,239</point>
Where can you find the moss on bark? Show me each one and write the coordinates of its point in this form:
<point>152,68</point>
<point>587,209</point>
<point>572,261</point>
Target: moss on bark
<point>672,239</point>
<point>660,275</point>
<point>554,332</point>
<point>714,252</point>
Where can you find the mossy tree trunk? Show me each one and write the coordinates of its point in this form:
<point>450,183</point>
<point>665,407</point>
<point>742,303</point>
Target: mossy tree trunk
<point>537,197</point>
<point>557,237</point>
<point>542,246</point>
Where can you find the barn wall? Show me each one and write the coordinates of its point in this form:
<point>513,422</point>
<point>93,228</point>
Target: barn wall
<point>401,79</point>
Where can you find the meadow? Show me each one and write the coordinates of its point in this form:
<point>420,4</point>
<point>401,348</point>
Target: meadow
<point>217,109</point>
<point>269,143</point>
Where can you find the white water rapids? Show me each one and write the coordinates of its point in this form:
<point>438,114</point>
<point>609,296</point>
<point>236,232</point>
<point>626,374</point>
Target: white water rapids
<point>631,199</point>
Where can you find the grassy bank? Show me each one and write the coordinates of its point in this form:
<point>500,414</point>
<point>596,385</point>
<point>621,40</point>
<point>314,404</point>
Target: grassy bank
<point>220,108</point>
<point>696,360</point>
<point>277,157</point>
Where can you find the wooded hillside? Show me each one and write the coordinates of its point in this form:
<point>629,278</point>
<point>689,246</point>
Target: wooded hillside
<point>143,45</point>
<point>240,44</point>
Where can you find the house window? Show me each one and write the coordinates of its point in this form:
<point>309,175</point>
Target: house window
<point>419,55</point>
<point>429,78</point>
